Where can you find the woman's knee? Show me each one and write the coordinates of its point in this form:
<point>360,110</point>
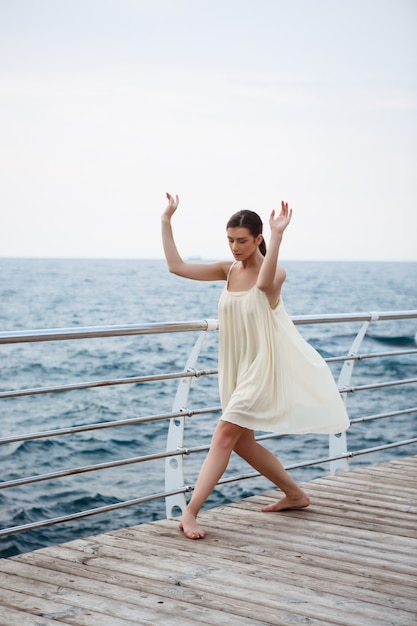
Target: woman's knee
<point>226,435</point>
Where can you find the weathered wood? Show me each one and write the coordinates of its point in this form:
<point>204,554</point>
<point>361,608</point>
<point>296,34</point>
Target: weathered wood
<point>349,558</point>
<point>118,556</point>
<point>48,613</point>
<point>10,616</point>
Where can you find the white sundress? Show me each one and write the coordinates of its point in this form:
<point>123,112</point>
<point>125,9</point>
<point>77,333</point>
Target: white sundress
<point>270,378</point>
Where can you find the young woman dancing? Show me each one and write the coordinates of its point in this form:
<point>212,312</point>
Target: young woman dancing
<point>270,378</point>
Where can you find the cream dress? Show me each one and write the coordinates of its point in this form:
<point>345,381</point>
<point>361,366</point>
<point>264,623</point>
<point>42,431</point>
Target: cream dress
<point>270,378</point>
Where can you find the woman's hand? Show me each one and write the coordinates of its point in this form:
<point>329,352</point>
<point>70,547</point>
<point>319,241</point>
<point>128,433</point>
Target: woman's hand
<point>172,206</point>
<point>279,223</point>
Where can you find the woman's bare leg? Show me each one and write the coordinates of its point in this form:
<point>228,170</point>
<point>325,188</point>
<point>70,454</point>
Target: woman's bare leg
<point>224,439</point>
<point>269,466</point>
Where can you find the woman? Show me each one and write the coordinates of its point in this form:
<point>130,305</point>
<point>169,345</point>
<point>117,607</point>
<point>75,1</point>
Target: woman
<point>269,378</point>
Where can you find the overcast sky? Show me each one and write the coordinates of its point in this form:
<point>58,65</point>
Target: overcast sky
<point>107,104</point>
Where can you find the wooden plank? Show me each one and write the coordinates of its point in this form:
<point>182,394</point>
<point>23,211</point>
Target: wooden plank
<point>190,576</point>
<point>342,504</point>
<point>248,613</point>
<point>328,507</point>
<point>114,558</point>
<point>364,571</point>
<point>112,599</point>
<point>255,503</point>
<point>408,462</point>
<point>10,616</point>
<point>42,611</point>
<point>288,535</point>
<point>367,520</point>
<point>342,491</point>
<point>120,557</point>
<point>235,569</point>
<point>375,481</point>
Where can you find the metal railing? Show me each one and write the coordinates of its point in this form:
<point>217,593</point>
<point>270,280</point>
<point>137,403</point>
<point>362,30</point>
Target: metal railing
<point>175,450</point>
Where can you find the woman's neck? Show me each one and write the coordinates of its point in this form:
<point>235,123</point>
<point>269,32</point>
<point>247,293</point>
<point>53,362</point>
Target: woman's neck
<point>253,262</point>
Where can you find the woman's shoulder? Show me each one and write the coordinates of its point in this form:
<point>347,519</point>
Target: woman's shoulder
<point>225,267</point>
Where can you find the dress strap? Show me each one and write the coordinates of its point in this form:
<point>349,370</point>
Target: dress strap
<point>229,272</point>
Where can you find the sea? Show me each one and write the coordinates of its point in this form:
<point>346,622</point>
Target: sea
<point>65,293</point>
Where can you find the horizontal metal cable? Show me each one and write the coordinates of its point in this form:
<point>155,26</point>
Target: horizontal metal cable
<point>354,317</point>
<point>370,355</point>
<point>170,376</point>
<point>187,489</point>
<point>91,332</point>
<point>100,425</point>
<point>388,446</point>
<point>94,332</point>
<point>176,375</point>
<point>356,420</point>
<point>165,416</point>
<point>18,482</point>
<point>105,383</point>
<point>346,455</point>
<point>119,463</point>
<point>82,514</point>
<point>134,460</point>
<point>378,416</point>
<point>388,383</point>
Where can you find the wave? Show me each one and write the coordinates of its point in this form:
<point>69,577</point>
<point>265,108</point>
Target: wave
<point>400,341</point>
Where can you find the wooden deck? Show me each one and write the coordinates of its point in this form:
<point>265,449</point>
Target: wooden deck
<point>351,558</point>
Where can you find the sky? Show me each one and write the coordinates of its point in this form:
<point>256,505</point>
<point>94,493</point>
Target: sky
<point>105,105</point>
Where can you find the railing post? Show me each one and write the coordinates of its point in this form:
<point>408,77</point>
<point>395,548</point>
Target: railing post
<point>174,466</point>
<point>338,443</point>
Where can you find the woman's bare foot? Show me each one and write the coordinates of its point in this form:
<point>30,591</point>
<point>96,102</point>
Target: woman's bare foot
<point>288,503</point>
<point>190,528</point>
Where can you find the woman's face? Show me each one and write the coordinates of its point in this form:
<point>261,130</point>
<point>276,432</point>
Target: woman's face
<point>242,243</point>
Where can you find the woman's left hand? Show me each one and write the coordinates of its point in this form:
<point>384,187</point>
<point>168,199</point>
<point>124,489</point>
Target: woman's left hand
<point>280,222</point>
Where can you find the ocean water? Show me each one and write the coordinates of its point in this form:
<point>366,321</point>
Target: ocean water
<point>37,293</point>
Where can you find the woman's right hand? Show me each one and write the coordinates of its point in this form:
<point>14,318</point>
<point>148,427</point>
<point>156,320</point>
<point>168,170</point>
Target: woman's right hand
<point>172,206</point>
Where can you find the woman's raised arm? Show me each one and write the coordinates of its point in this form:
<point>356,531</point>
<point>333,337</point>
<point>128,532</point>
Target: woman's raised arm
<point>176,265</point>
<point>271,277</point>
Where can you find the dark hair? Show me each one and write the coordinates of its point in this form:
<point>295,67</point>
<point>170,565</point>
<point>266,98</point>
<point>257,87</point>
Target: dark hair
<point>251,221</point>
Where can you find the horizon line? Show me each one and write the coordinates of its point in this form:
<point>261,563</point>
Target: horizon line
<point>196,259</point>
